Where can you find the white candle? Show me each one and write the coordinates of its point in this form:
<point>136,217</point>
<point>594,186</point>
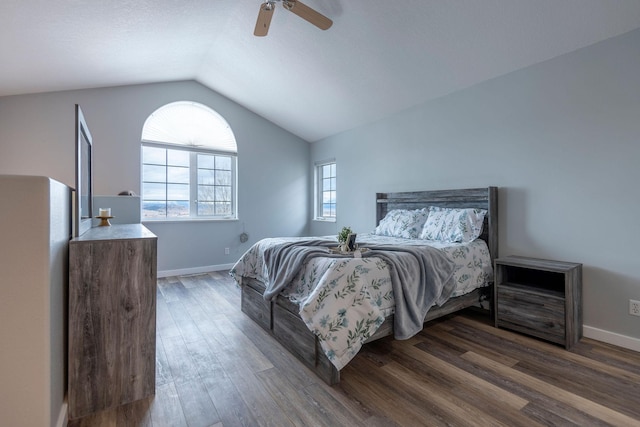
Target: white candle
<point>105,212</point>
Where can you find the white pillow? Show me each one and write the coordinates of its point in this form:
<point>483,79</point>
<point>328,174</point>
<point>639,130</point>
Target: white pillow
<point>402,223</point>
<point>453,225</point>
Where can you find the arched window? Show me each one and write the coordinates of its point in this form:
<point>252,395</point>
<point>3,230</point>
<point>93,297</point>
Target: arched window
<point>189,162</point>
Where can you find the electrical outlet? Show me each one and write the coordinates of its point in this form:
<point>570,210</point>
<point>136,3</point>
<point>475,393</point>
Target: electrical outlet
<point>226,252</point>
<point>634,307</point>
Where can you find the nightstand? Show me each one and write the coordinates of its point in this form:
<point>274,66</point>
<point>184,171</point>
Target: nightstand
<point>538,297</point>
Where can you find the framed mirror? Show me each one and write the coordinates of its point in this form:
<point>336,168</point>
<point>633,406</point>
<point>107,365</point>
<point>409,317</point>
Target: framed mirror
<point>84,176</point>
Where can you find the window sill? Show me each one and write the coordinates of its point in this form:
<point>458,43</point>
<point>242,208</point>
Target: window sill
<point>324,219</point>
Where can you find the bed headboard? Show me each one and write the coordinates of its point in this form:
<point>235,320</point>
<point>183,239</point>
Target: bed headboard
<point>483,198</point>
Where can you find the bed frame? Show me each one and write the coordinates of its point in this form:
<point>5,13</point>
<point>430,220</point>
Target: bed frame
<point>280,316</point>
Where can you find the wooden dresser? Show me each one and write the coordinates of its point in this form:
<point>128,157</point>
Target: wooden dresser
<point>112,317</point>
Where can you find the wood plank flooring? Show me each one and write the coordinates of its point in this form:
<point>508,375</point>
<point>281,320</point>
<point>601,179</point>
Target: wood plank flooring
<point>216,367</point>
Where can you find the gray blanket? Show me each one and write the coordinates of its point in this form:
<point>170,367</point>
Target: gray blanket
<point>284,261</point>
<point>421,276</point>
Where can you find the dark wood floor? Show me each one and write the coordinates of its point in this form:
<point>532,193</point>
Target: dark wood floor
<point>215,367</point>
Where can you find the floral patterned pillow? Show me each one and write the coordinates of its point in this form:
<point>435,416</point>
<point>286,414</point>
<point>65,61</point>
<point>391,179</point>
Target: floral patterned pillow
<point>453,225</point>
<point>402,223</point>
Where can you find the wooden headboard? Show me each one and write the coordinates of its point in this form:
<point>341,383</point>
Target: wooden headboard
<point>483,198</point>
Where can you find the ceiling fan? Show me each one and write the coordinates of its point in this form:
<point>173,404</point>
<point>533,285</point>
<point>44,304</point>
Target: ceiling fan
<point>295,6</point>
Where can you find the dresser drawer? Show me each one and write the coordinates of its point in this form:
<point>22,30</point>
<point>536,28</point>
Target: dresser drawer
<point>534,313</point>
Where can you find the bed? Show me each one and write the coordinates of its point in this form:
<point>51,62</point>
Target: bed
<point>279,310</point>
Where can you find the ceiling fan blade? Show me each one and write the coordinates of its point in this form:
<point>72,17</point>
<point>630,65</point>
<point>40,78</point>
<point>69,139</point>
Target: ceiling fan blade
<point>308,14</point>
<point>264,19</point>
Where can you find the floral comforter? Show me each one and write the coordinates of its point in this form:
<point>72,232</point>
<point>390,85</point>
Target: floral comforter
<point>343,300</point>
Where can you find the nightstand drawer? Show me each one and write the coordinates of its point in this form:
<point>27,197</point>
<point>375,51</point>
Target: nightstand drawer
<point>533,313</point>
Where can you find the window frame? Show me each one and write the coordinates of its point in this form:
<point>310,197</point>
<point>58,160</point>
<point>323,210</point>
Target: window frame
<point>319,177</point>
<point>193,183</point>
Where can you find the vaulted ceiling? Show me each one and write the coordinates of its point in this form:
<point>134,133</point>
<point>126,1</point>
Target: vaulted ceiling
<point>378,58</point>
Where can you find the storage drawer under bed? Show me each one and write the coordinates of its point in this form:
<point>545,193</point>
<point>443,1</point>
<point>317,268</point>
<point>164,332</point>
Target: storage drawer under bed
<point>290,330</point>
<point>256,307</point>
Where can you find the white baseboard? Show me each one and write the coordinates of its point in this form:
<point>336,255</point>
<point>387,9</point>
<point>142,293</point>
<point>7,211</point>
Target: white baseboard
<point>611,338</point>
<point>62,416</point>
<point>194,270</point>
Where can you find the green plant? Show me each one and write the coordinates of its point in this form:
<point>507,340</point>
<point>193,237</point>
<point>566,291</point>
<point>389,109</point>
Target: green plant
<point>344,234</point>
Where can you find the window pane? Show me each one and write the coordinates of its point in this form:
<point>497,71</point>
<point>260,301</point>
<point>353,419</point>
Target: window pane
<point>223,208</point>
<point>178,175</point>
<point>178,192</point>
<point>178,158</point>
<point>206,176</point>
<point>223,162</point>
<point>206,193</point>
<point>152,191</point>
<point>328,210</point>
<point>206,161</point>
<point>177,208</point>
<point>223,194</point>
<point>332,184</point>
<point>326,171</point>
<point>154,209</point>
<point>206,208</point>
<point>329,197</point>
<point>333,170</point>
<point>326,184</point>
<point>223,177</point>
<point>153,155</point>
<point>214,208</point>
<point>152,173</point>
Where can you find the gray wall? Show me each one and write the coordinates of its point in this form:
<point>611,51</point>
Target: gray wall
<point>562,141</point>
<point>37,137</point>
